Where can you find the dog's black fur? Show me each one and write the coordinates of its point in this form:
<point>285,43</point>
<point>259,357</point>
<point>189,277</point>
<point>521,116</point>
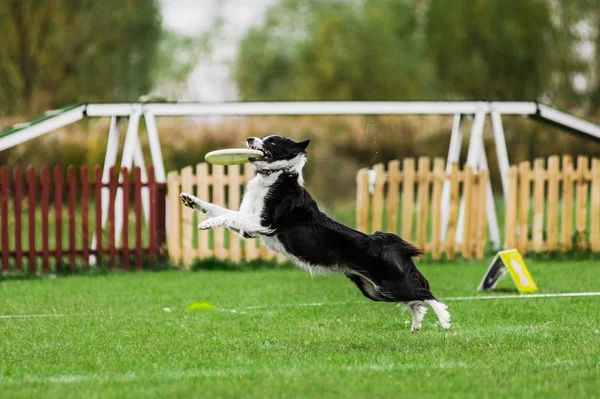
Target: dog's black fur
<point>380,264</point>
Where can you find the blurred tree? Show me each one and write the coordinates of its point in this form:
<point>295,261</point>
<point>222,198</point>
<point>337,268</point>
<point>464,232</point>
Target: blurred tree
<point>504,50</point>
<point>422,49</point>
<point>589,30</point>
<point>176,58</point>
<point>61,51</point>
<point>333,50</point>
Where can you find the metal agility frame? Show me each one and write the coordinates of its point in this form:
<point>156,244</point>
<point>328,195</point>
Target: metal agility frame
<point>132,150</point>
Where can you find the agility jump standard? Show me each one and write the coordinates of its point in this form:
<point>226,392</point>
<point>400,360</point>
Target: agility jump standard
<point>132,150</point>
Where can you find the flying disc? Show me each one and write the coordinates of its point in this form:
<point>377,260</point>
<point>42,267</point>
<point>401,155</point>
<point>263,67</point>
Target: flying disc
<point>232,156</point>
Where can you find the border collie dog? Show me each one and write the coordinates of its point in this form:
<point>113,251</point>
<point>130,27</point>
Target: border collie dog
<point>282,214</point>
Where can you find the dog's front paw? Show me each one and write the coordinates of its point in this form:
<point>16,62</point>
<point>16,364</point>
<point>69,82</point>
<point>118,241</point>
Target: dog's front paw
<point>192,202</point>
<point>209,224</point>
<point>188,200</point>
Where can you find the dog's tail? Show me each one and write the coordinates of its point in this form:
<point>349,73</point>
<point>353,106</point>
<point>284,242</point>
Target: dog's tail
<point>401,246</point>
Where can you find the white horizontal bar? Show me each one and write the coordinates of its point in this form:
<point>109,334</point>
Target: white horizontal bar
<point>315,108</point>
<point>123,109</point>
<point>569,121</point>
<point>513,108</point>
<point>41,128</point>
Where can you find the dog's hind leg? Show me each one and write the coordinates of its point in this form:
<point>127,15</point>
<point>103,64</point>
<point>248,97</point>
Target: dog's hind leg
<point>417,310</point>
<point>441,312</point>
<point>206,208</point>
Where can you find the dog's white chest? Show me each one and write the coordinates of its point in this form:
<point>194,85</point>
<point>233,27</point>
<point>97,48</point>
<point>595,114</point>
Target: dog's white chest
<point>256,193</point>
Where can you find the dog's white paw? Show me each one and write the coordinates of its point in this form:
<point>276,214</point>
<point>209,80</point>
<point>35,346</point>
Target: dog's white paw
<point>445,323</point>
<point>208,224</point>
<point>445,320</point>
<point>193,202</point>
<point>415,329</point>
<point>441,312</point>
<point>188,200</point>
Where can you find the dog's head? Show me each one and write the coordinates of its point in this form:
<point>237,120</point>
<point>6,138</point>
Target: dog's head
<point>278,153</point>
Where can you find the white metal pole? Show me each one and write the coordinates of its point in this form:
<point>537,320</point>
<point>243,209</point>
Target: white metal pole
<point>501,150</point>
<point>126,162</point>
<point>110,159</point>
<point>453,157</point>
<point>156,154</point>
<point>490,209</point>
<point>155,151</point>
<point>138,160</point>
<point>475,147</point>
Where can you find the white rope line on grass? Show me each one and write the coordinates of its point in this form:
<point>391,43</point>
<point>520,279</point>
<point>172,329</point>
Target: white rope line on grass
<point>525,296</point>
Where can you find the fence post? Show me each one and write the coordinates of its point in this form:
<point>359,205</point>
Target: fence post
<point>31,197</point>
<point>524,206</point>
<point>453,216</point>
<point>408,195</point>
<point>392,195</point>
<point>152,222</point>
<point>378,204</point>
<point>202,183</point>
<point>173,243</point>
<point>4,193</point>
<point>112,189</point>
<point>233,172</point>
<point>552,220</point>
<point>362,200</point>
<point>510,222</point>
<point>98,189</point>
<point>595,207</point>
<point>161,217</point>
<point>58,191</point>
<point>423,201</point>
<point>85,215</point>
<point>567,215</point>
<point>438,180</point>
<point>72,202</point>
<point>480,226</point>
<point>137,209</point>
<point>125,229</point>
<point>468,201</point>
<point>218,173</point>
<point>187,183</point>
<point>581,187</point>
<point>18,181</point>
<point>45,205</point>
<point>538,205</point>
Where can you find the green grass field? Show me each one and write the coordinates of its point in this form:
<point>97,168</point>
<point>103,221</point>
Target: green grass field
<point>111,338</point>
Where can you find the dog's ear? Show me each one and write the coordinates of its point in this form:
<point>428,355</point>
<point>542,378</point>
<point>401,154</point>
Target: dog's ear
<point>303,144</point>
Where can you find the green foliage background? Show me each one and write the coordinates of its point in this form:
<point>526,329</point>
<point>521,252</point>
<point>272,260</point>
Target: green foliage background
<point>57,52</point>
<point>419,50</point>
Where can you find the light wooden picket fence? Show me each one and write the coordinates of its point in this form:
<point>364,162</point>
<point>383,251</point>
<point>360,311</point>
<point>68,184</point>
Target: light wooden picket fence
<point>221,186</point>
<point>411,198</point>
<point>554,209</point>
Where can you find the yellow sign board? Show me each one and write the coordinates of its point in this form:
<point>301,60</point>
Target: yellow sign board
<point>511,262</point>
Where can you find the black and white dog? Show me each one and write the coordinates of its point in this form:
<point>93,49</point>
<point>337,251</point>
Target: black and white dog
<point>282,214</point>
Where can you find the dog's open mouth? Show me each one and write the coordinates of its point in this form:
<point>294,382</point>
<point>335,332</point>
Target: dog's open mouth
<point>265,156</point>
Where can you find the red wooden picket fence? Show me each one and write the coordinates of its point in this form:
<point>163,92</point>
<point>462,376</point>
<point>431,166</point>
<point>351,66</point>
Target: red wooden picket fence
<point>62,217</point>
